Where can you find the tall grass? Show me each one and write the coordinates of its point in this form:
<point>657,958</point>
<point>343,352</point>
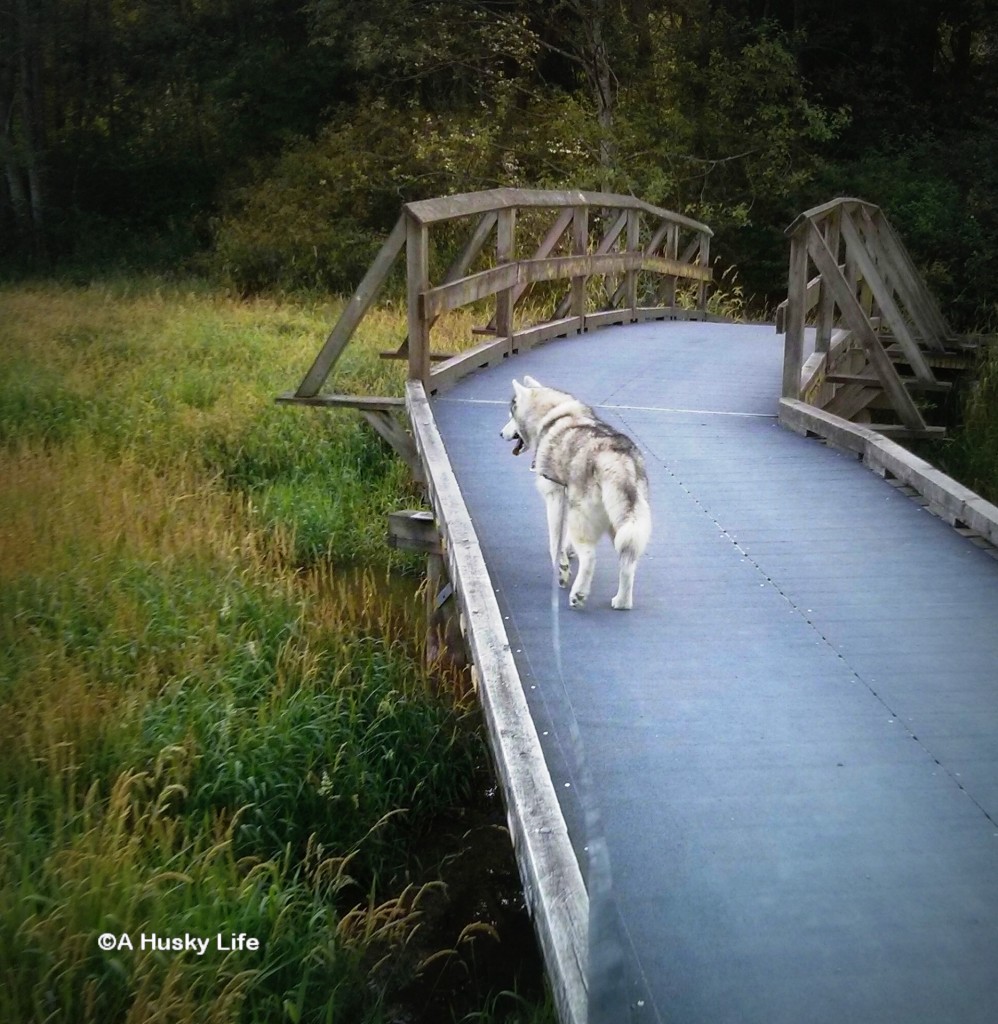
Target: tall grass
<point>970,453</point>
<point>213,717</point>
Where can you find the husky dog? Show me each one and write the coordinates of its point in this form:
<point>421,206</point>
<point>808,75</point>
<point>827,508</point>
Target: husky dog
<point>592,479</point>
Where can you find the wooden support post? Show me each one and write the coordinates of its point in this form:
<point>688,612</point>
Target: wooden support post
<point>388,427</point>
<point>671,253</point>
<point>416,530</point>
<point>856,319</point>
<point>885,301</point>
<point>793,343</point>
<point>705,265</point>
<point>826,302</point>
<point>505,253</point>
<point>580,246</point>
<point>631,276</point>
<point>417,282</point>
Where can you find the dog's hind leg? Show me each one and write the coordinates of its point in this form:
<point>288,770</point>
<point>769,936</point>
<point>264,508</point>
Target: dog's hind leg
<point>584,577</point>
<point>623,600</point>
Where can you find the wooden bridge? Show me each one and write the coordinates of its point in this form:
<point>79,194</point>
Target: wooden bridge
<point>770,792</point>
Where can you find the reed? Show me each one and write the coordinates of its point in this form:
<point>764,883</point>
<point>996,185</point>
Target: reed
<point>213,716</point>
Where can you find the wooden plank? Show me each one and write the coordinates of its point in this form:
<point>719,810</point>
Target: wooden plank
<point>819,212</point>
<point>389,429</point>
<point>414,530</point>
<point>552,881</point>
<point>606,243</point>
<point>430,211</point>
<point>667,293</point>
<point>417,281</point>
<point>633,242</point>
<point>545,248</point>
<point>884,456</point>
<point>893,242</point>
<point>885,300</point>
<point>826,304</point>
<point>497,279</point>
<point>911,288</point>
<point>527,337</point>
<point>580,245</point>
<point>909,382</point>
<point>851,399</point>
<point>548,243</point>
<point>857,320</point>
<point>704,263</point>
<point>358,304</point>
<point>505,254</point>
<point>368,402</point>
<point>793,342</point>
<point>446,374</point>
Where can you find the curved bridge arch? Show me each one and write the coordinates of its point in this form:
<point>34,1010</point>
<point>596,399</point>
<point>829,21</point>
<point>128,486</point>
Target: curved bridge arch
<point>641,254</point>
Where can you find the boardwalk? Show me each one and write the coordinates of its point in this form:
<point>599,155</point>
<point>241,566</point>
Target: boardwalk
<point>790,746</point>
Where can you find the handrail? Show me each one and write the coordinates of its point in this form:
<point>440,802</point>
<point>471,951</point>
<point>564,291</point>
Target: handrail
<point>868,295</point>
<point>625,239</point>
<point>443,208</point>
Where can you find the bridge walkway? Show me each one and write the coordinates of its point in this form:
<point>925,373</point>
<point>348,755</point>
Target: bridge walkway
<point>790,745</point>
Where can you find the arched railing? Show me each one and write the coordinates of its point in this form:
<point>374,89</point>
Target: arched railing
<point>879,334</point>
<point>619,259</point>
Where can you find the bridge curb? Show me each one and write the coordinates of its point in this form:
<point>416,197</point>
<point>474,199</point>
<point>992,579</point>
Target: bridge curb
<point>946,497</point>
<point>553,884</point>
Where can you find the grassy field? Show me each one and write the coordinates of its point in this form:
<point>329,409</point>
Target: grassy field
<point>213,715</point>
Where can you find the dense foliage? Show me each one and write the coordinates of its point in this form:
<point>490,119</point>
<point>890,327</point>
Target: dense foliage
<point>276,141</point>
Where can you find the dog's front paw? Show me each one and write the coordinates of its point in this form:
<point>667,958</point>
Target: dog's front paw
<point>578,600</point>
<point>622,604</point>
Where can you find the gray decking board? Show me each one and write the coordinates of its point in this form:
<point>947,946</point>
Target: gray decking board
<point>793,738</point>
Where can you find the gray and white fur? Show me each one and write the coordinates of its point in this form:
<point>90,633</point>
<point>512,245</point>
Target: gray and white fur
<point>593,481</point>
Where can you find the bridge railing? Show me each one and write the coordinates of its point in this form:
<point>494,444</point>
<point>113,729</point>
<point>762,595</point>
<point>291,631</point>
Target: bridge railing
<point>872,313</point>
<point>642,257</point>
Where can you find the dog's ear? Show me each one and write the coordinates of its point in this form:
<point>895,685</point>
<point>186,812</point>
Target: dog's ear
<point>531,383</point>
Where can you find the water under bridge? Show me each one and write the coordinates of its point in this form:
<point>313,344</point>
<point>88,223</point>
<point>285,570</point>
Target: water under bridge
<point>768,793</point>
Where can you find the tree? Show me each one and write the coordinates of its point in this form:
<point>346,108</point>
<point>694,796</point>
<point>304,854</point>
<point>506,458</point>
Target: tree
<point>22,123</point>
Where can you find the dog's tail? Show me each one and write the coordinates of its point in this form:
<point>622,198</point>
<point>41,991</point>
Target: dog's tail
<point>630,518</point>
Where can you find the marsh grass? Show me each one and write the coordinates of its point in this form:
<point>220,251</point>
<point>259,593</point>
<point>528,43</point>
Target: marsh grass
<point>213,716</point>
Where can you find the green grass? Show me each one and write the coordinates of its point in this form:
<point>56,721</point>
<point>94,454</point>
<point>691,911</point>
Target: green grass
<point>213,715</point>
<point>970,452</point>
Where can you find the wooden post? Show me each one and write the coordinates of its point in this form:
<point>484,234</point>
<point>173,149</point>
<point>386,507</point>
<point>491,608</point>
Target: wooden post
<point>793,343</point>
<point>580,246</point>
<point>417,281</point>
<point>631,276</point>
<point>826,303</point>
<point>671,253</point>
<point>505,254</point>
<point>705,264</point>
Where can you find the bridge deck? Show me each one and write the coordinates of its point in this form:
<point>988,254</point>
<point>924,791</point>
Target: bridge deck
<point>792,741</point>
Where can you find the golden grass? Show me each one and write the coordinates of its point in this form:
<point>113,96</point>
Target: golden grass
<point>137,572</point>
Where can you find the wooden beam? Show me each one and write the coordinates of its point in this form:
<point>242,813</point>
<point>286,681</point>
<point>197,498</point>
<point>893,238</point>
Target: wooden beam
<point>358,304</point>
<point>391,430</point>
<point>508,275</point>
<point>555,891</point>
<point>366,402</point>
<point>793,342</point>
<point>885,300</point>
<point>417,281</point>
<point>431,211</point>
<point>857,320</point>
<point>826,303</point>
